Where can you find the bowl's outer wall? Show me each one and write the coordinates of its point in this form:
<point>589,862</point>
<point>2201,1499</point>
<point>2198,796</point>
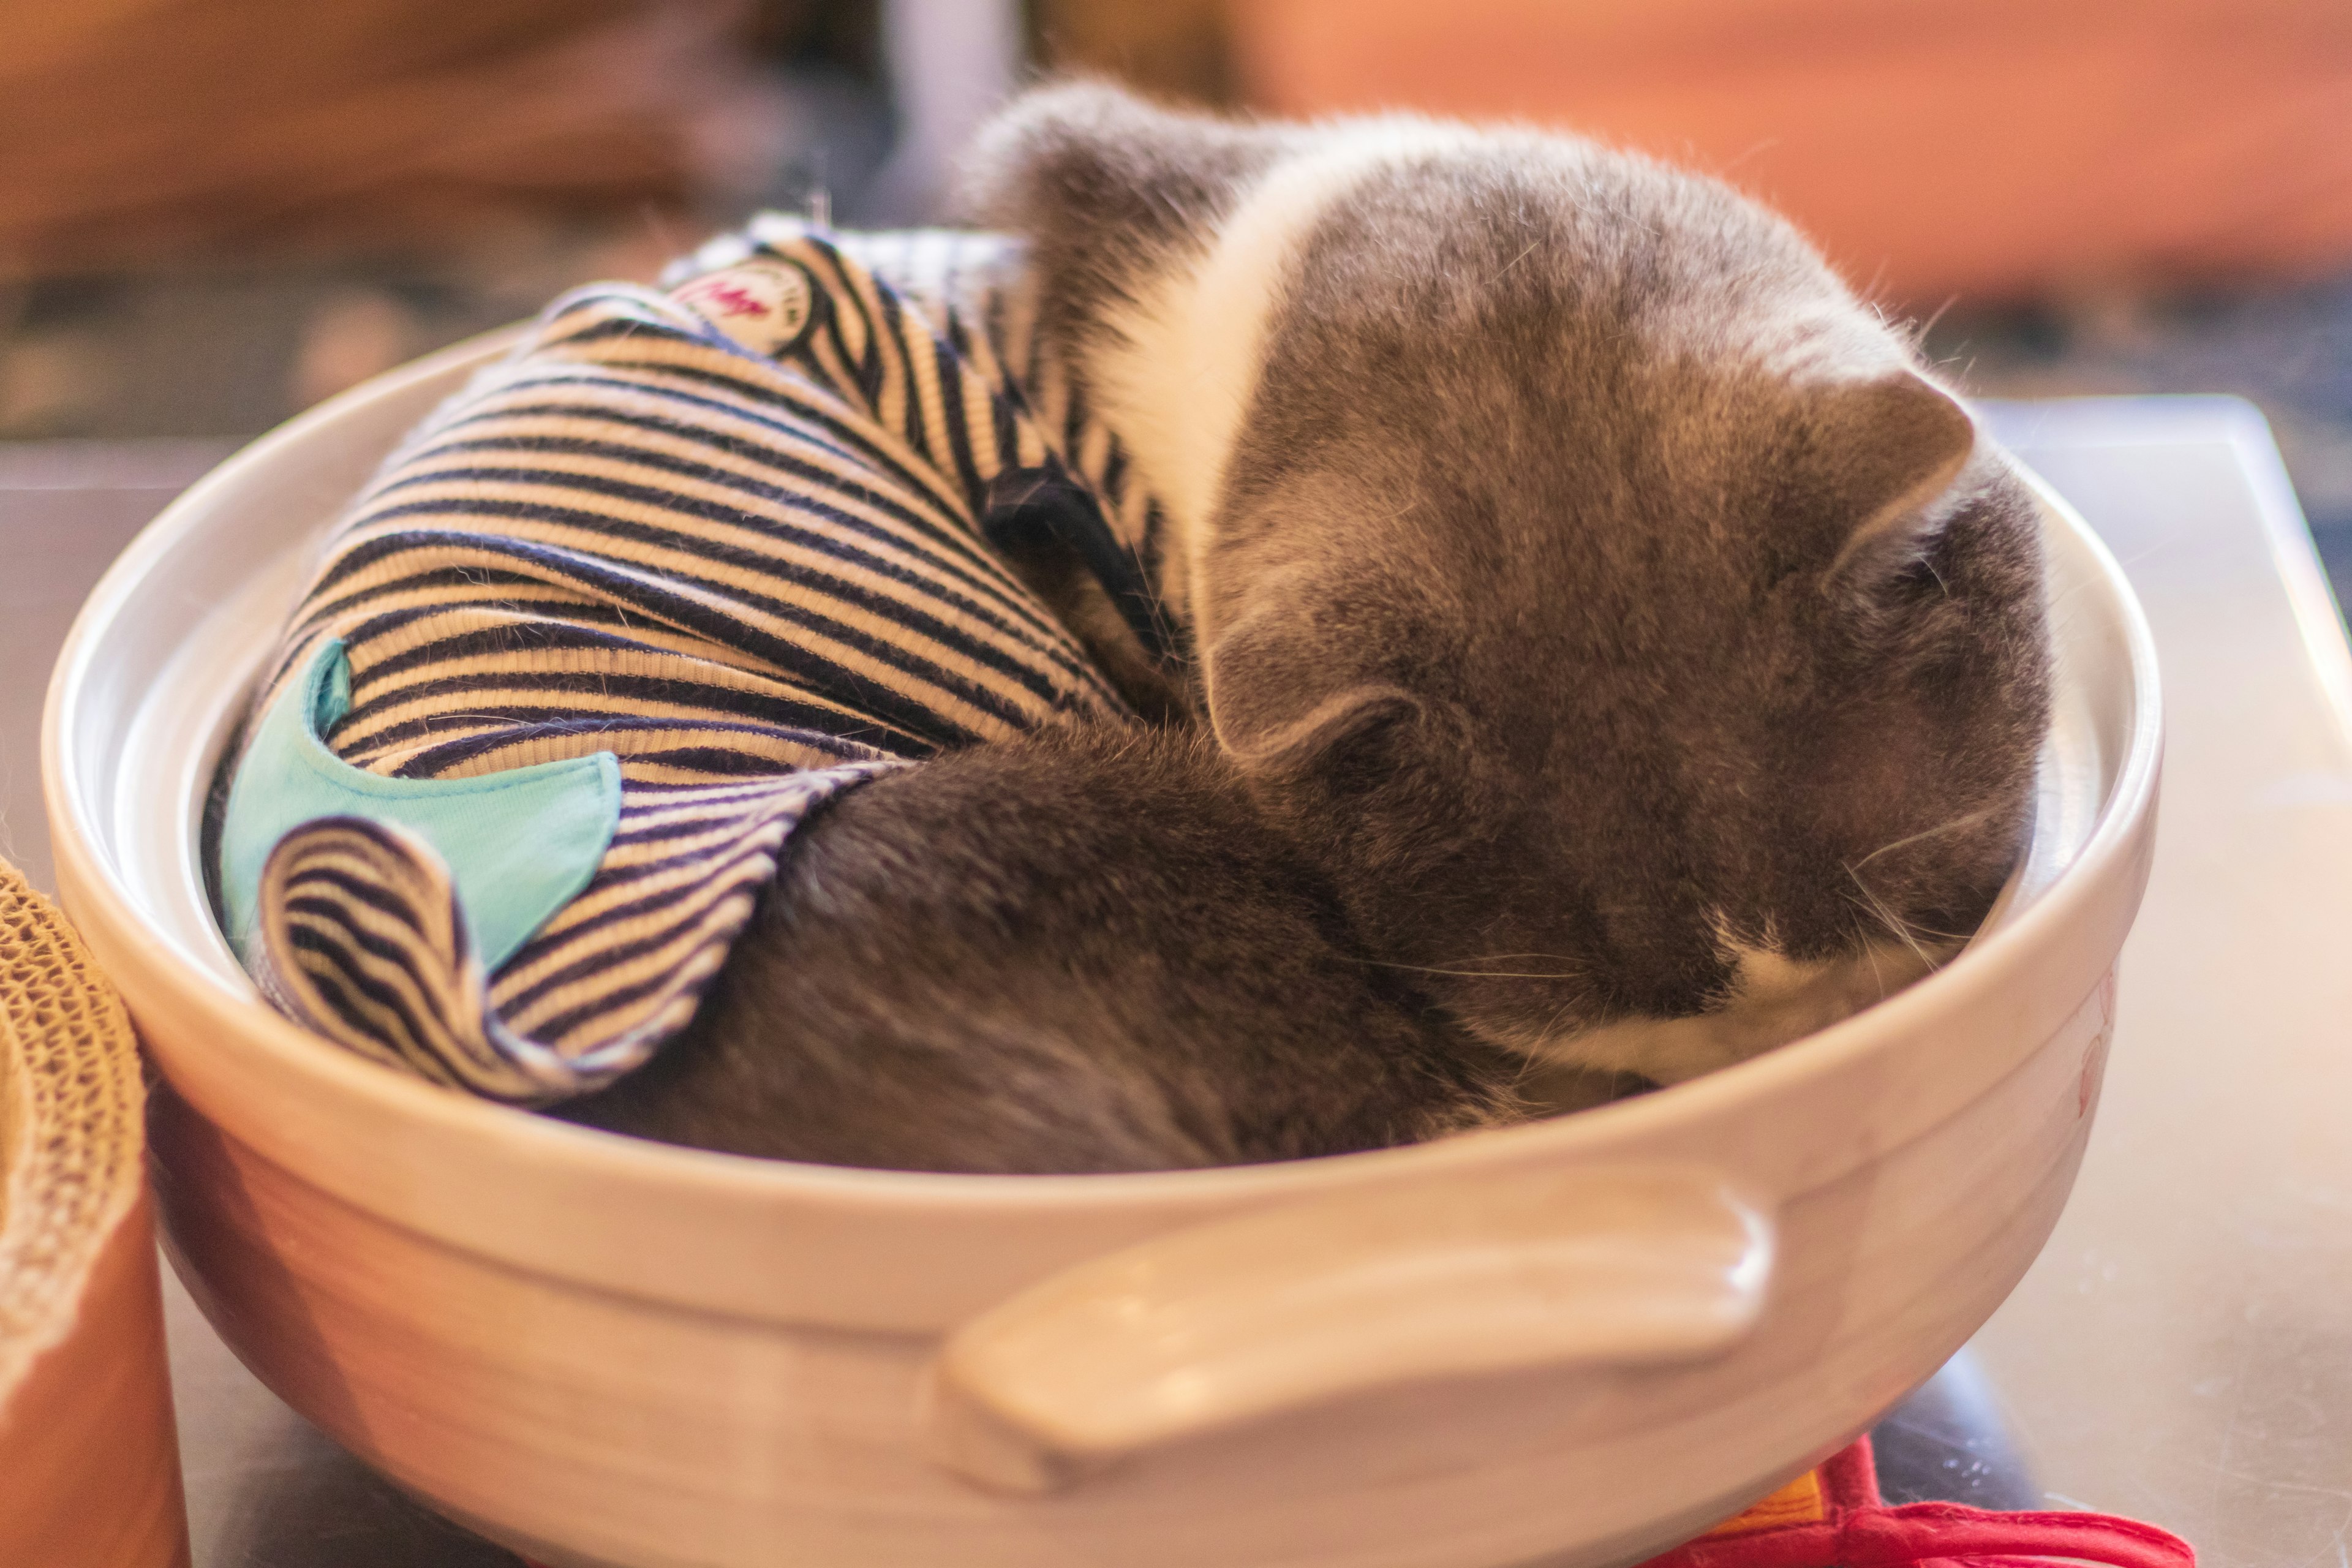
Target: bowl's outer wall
<point>620,1353</point>
<point>647,1436</point>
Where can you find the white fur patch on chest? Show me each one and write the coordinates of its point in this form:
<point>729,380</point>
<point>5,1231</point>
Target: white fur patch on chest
<point>1775,1000</point>
<point>1175,376</point>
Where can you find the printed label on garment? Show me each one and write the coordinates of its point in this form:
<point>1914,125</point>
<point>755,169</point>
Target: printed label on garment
<point>766,304</point>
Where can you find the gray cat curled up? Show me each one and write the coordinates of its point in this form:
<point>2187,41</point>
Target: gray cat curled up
<point>1645,647</point>
<point>1619,654</point>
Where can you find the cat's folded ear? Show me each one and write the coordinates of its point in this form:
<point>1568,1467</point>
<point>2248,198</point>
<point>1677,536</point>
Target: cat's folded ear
<point>1296,742</point>
<point>1280,705</point>
<point>1084,160</point>
<point>1888,450</point>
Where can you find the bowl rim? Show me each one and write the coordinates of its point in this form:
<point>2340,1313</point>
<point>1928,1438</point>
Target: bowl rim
<point>293,1052</point>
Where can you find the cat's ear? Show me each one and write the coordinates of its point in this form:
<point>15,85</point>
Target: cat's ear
<point>1280,702</point>
<point>1088,160</point>
<point>1888,450</point>
<point>1296,742</point>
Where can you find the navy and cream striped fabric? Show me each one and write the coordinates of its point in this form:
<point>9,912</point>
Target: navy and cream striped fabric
<point>746,537</point>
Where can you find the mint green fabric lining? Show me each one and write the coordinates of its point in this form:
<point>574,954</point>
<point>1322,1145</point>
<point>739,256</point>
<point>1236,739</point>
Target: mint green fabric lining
<point>519,845</point>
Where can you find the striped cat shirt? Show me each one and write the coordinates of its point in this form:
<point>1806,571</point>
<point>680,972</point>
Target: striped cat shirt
<point>606,628</point>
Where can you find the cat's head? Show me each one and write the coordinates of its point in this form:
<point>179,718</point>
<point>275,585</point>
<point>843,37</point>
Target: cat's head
<point>1652,652</point>
<point>1742,734</point>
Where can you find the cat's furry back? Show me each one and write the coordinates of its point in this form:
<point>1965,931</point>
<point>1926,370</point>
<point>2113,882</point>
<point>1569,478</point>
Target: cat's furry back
<point>1630,627</point>
<point>1072,952</point>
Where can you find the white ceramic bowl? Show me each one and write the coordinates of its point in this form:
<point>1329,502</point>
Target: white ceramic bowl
<point>1578,1340</point>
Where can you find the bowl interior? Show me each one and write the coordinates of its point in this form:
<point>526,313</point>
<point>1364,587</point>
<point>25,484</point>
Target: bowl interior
<point>152,681</point>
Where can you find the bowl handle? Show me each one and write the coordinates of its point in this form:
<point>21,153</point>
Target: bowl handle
<point>1285,1309</point>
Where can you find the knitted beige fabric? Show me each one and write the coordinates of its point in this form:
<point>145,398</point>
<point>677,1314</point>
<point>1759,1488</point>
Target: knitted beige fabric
<point>70,1105</point>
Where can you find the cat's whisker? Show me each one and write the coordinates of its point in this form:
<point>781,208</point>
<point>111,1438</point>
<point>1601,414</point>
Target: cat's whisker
<point>1910,932</point>
<point>1886,916</point>
<point>1965,820</point>
<point>1529,1066</point>
<point>1939,935</point>
<point>1551,1026</point>
<point>1893,922</point>
<point>1467,973</point>
<point>1862,937</point>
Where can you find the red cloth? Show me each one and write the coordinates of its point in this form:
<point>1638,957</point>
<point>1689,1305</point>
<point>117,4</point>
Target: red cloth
<point>1834,1518</point>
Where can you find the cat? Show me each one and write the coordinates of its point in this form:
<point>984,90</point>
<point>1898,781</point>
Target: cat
<point>1082,950</point>
<point>1616,611</point>
<point>1616,656</point>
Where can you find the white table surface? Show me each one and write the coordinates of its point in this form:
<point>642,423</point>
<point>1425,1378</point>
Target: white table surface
<point>2182,1352</point>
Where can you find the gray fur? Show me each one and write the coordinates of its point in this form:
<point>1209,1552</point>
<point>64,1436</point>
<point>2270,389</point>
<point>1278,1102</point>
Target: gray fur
<point>1596,588</point>
<point>1079,953</point>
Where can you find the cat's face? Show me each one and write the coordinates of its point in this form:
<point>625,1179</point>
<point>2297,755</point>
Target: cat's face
<point>1644,643</point>
<point>1752,810</point>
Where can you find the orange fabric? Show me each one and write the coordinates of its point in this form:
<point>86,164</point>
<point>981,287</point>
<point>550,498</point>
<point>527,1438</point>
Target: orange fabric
<point>1798,1503</point>
<point>1984,147</point>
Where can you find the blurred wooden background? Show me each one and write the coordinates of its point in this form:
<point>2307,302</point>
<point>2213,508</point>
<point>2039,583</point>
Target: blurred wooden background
<point>144,129</point>
<point>1991,148</point>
